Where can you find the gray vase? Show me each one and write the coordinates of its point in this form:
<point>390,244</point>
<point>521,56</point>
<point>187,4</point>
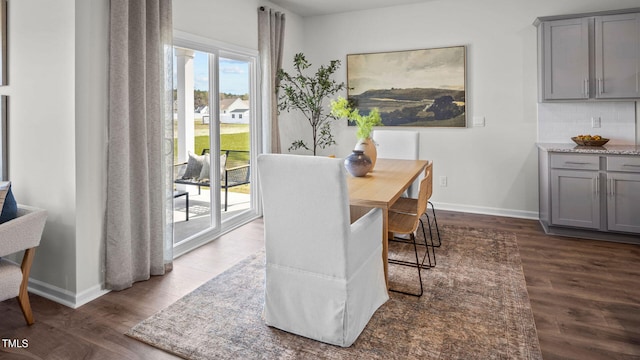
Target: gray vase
<point>358,164</point>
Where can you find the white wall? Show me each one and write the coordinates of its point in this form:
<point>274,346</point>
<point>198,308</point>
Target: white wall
<point>92,60</point>
<point>233,22</point>
<point>490,169</point>
<point>42,128</point>
<point>57,128</point>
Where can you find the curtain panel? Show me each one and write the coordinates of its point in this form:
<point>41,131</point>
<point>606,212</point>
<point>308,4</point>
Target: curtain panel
<point>270,45</point>
<point>139,210</point>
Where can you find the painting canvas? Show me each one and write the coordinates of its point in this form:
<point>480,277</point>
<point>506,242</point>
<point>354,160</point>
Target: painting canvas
<point>410,88</point>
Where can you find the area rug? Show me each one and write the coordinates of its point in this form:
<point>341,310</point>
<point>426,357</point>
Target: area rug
<point>475,306</point>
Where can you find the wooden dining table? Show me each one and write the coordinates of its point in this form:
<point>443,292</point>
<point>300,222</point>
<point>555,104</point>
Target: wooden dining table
<point>381,188</point>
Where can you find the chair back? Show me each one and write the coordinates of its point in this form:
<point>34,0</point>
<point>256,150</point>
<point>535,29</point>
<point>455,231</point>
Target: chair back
<point>23,232</point>
<point>428,174</point>
<point>306,212</point>
<point>424,194</point>
<point>397,144</point>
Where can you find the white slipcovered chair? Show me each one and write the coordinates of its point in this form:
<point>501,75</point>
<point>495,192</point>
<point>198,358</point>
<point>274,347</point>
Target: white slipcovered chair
<point>399,144</point>
<point>324,275</point>
<point>21,233</point>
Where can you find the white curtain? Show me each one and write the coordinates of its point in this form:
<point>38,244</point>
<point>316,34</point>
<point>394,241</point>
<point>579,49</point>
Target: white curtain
<point>139,196</point>
<point>270,45</point>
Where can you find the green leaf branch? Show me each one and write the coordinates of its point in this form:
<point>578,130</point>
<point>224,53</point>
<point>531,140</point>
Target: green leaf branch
<point>307,93</point>
<point>365,123</point>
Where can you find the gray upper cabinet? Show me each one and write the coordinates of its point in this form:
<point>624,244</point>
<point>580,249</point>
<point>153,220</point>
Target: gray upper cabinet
<point>566,59</point>
<point>589,57</point>
<point>617,56</point>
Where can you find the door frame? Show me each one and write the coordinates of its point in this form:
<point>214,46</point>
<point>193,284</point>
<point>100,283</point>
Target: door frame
<point>221,49</point>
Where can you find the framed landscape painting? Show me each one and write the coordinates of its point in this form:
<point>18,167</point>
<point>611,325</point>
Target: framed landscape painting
<point>410,88</point>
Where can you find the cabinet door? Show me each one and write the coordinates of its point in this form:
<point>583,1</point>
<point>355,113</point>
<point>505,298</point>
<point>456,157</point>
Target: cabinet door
<point>566,59</point>
<point>623,202</point>
<point>575,198</point>
<point>617,52</point>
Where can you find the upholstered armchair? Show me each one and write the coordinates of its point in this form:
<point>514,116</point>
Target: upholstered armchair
<point>21,233</point>
<point>324,275</point>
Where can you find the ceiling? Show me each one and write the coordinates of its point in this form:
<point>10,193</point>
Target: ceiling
<point>324,7</point>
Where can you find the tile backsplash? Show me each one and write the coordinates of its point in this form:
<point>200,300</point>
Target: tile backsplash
<point>558,122</point>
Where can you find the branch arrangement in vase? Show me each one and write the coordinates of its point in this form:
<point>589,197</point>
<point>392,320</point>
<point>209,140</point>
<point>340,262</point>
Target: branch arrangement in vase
<point>307,93</point>
<point>365,123</point>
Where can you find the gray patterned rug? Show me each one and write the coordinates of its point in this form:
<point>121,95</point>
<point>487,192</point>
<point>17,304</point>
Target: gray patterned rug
<point>475,306</point>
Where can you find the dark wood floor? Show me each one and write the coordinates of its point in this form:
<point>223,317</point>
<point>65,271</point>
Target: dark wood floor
<point>585,297</point>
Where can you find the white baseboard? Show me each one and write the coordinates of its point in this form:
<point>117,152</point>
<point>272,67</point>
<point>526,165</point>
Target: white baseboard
<point>532,215</point>
<point>64,296</point>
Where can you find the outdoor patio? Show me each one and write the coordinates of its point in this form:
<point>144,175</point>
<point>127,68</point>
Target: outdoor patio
<point>200,211</point>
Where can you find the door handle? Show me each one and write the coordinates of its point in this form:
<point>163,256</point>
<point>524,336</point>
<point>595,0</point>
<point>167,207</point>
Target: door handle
<point>600,86</point>
<point>585,87</point>
<point>612,186</point>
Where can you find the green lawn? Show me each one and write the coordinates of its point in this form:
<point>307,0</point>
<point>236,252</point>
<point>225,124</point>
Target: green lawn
<point>233,137</point>
<point>234,141</point>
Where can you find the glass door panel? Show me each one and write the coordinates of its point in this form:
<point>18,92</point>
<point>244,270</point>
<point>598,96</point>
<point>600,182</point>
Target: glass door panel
<point>193,163</point>
<point>215,113</point>
<point>235,136</point>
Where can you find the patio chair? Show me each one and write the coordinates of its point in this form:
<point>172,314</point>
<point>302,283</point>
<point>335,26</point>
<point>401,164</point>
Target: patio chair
<point>235,170</point>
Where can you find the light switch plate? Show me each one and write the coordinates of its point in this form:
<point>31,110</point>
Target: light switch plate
<point>478,121</point>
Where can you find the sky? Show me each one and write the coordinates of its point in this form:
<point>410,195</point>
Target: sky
<point>441,68</point>
<point>234,75</point>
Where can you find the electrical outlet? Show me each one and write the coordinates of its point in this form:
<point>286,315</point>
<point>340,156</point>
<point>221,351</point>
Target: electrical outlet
<point>595,122</point>
<point>443,181</point>
<point>478,121</point>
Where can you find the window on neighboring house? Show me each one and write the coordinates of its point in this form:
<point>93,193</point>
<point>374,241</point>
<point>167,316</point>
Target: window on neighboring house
<point>233,116</point>
<point>239,116</point>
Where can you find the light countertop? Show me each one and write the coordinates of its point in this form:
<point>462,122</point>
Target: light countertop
<point>605,150</point>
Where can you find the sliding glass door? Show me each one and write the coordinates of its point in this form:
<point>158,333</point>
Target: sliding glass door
<point>216,125</point>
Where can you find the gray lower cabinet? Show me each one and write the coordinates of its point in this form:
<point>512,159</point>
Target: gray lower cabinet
<point>574,198</point>
<point>584,192</point>
<point>575,193</point>
<point>623,194</point>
